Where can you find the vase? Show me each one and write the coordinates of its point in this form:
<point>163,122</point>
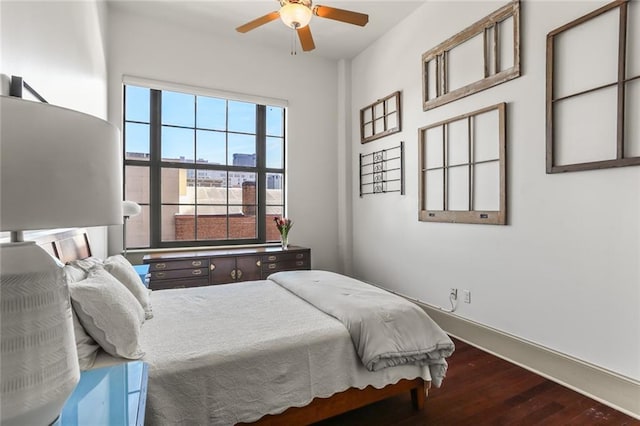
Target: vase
<point>284,240</point>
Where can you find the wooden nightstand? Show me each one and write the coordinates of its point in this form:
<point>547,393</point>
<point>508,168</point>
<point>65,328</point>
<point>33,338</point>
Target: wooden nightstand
<point>110,396</point>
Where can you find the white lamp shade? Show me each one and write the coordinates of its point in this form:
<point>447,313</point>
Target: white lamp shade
<point>295,15</point>
<point>59,168</point>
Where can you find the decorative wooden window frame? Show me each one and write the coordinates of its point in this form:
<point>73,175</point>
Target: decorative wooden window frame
<point>494,217</point>
<point>382,171</point>
<point>377,117</point>
<point>620,84</point>
<point>435,62</point>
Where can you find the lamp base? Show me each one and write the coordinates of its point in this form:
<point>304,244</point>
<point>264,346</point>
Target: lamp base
<point>39,358</point>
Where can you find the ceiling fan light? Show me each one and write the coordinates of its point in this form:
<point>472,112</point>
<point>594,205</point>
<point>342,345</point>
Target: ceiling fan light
<point>295,15</point>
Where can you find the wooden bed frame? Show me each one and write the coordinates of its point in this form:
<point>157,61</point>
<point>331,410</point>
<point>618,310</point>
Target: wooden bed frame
<point>74,244</point>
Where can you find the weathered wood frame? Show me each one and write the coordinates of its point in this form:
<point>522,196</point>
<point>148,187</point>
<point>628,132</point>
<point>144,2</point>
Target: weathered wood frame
<point>440,54</point>
<point>386,130</point>
<point>498,217</point>
<point>622,79</point>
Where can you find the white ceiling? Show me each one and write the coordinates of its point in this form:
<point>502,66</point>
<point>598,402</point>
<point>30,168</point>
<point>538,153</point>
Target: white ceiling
<point>333,39</point>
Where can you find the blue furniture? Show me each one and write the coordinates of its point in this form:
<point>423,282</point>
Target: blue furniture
<point>109,396</point>
<point>143,272</point>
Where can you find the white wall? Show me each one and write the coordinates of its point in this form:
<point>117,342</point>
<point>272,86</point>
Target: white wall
<point>565,271</point>
<point>58,48</point>
<point>161,51</point>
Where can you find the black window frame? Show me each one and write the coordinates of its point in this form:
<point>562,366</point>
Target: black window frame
<point>156,165</point>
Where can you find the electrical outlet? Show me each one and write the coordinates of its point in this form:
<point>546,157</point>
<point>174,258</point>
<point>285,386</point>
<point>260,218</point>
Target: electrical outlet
<point>453,293</point>
<point>466,296</point>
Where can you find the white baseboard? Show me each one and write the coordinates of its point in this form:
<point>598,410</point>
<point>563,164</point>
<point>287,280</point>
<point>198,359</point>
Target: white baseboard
<point>617,391</point>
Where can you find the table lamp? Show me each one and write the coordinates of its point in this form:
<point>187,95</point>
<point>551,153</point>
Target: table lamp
<point>58,169</point>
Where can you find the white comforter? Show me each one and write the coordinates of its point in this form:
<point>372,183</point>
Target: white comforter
<point>233,353</point>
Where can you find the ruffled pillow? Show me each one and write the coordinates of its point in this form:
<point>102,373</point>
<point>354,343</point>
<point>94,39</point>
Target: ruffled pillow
<point>109,313</point>
<point>120,268</point>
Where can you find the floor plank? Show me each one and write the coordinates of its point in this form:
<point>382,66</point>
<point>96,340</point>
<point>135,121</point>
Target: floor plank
<point>481,389</point>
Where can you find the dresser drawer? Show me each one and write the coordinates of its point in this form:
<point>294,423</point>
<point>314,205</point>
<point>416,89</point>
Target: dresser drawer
<point>179,264</point>
<point>184,283</point>
<point>180,273</point>
<point>287,265</point>
<point>285,256</point>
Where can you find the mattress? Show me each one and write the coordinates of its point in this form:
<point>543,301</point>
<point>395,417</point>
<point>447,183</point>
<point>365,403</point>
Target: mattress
<point>233,353</point>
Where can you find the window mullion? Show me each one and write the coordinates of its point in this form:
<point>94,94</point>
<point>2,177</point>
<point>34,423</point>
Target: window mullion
<point>155,170</point>
<point>261,176</point>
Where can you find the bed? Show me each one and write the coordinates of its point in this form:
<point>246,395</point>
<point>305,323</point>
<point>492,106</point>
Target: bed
<point>255,352</point>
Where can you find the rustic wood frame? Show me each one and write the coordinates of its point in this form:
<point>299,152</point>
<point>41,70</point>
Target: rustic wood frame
<point>487,26</point>
<point>386,130</point>
<point>492,217</point>
<point>621,82</point>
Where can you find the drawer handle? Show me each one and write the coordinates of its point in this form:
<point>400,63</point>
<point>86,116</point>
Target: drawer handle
<point>233,274</point>
<point>196,263</point>
<point>196,272</point>
<point>239,274</point>
<point>212,266</point>
<point>299,263</point>
<point>272,266</point>
<point>272,258</point>
<point>258,264</point>
<point>161,265</point>
<point>299,255</point>
<point>179,286</point>
<point>160,274</point>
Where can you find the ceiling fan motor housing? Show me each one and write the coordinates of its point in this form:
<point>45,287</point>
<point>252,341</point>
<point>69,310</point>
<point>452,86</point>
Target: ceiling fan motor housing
<point>295,13</point>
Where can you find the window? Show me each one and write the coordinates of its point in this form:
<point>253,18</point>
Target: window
<point>206,170</point>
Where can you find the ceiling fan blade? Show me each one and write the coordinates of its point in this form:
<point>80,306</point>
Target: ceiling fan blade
<point>257,22</point>
<point>306,39</point>
<point>341,15</point>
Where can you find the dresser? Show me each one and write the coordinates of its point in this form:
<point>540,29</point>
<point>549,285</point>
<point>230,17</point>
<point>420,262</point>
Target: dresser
<point>210,267</point>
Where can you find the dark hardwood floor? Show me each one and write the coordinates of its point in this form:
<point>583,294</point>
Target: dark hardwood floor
<point>481,389</point>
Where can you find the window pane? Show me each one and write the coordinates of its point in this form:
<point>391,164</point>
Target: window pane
<point>136,141</point>
<point>242,117</point>
<point>275,181</point>
<point>272,231</point>
<point>136,186</point>
<point>241,227</point>
<point>242,150</point>
<point>175,225</point>
<point>136,103</point>
<point>174,185</point>
<point>275,121</point>
<point>275,153</point>
<point>177,144</point>
<point>212,224</point>
<point>211,147</point>
<point>178,109</point>
<point>137,235</point>
<point>212,113</point>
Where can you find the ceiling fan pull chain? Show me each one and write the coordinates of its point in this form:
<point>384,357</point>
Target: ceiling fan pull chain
<point>293,42</point>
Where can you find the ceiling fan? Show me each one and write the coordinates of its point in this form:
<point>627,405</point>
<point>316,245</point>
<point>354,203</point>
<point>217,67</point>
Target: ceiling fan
<point>296,14</point>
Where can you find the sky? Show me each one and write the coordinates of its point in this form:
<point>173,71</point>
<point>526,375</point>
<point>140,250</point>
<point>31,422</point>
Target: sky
<point>210,116</point>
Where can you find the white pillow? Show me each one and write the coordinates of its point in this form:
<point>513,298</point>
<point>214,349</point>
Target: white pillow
<point>109,313</point>
<point>86,264</point>
<point>73,273</point>
<point>86,346</point>
<point>119,267</point>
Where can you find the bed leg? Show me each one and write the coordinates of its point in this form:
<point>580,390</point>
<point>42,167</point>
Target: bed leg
<point>419,395</point>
